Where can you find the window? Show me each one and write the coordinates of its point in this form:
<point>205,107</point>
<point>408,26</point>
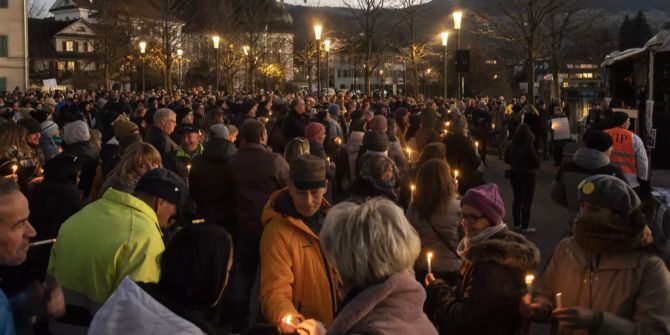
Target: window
<point>3,4</point>
<point>585,75</point>
<point>60,66</point>
<point>3,80</point>
<point>491,62</point>
<point>71,65</point>
<point>3,46</point>
<point>68,46</point>
<point>76,46</point>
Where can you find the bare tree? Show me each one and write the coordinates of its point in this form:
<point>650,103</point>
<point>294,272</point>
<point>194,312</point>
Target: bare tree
<point>518,24</point>
<point>36,9</point>
<point>420,47</point>
<point>370,36</point>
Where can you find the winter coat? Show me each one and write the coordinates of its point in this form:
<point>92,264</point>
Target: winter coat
<point>114,237</point>
<point>178,161</point>
<point>585,162</point>
<point>133,310</point>
<point>397,154</point>
<point>49,147</point>
<point>163,143</point>
<point>256,174</point>
<point>354,145</point>
<point>211,185</point>
<point>631,289</point>
<point>294,125</point>
<point>393,306</point>
<point>442,227</point>
<point>658,215</point>
<point>88,156</point>
<point>296,280</point>
<point>522,158</point>
<point>492,282</point>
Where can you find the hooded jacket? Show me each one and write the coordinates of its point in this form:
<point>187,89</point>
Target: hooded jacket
<point>393,306</point>
<point>492,282</point>
<point>211,184</point>
<point>631,289</point>
<point>296,280</point>
<point>585,162</point>
<point>132,310</point>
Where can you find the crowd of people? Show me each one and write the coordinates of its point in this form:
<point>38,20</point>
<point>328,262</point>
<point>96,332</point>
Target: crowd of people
<point>195,212</point>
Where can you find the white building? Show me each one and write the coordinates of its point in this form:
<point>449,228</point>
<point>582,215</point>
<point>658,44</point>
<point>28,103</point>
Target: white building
<point>68,10</point>
<point>13,45</point>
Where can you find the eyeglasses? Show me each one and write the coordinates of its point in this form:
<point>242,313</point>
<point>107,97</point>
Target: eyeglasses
<point>469,217</point>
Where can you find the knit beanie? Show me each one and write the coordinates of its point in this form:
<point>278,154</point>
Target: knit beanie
<point>618,118</point>
<point>376,141</point>
<point>31,125</point>
<point>608,192</point>
<point>49,128</point>
<point>123,128</point>
<point>75,132</point>
<point>597,140</point>
<point>219,131</point>
<point>40,115</point>
<point>313,130</point>
<point>334,109</point>
<point>378,123</point>
<point>181,113</point>
<point>486,198</point>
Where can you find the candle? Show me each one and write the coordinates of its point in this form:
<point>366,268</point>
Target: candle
<point>287,320</point>
<point>412,188</point>
<point>559,300</point>
<point>409,154</point>
<point>188,167</point>
<point>494,126</point>
<point>429,258</point>
<point>328,160</point>
<point>455,174</point>
<point>49,241</point>
<point>448,123</point>
<point>14,168</point>
<point>338,140</point>
<point>477,146</point>
<point>529,281</point>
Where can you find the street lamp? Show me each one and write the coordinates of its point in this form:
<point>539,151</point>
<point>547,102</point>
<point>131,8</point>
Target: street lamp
<point>326,46</point>
<point>458,17</point>
<point>143,49</point>
<point>180,54</point>
<point>216,39</point>
<point>445,39</point>
<point>317,37</point>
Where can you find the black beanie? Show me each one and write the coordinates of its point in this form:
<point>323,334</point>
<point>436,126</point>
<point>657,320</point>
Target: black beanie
<point>597,140</point>
<point>618,118</point>
<point>31,125</point>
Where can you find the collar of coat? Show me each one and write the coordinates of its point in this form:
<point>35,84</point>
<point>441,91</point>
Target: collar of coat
<point>270,213</point>
<point>128,200</point>
<point>625,261</point>
<point>507,248</point>
<point>185,154</point>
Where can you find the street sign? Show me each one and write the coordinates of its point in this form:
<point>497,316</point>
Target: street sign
<point>651,138</point>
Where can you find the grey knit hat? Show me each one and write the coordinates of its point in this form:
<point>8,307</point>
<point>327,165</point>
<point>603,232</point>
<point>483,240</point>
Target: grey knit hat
<point>608,192</point>
<point>75,132</point>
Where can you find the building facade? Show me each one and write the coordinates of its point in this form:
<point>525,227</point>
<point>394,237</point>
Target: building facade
<point>13,45</point>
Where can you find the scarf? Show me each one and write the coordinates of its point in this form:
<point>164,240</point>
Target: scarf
<point>610,235</point>
<point>484,235</point>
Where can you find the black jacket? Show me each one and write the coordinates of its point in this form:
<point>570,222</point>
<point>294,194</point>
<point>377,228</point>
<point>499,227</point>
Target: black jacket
<point>461,156</point>
<point>163,143</point>
<point>88,157</point>
<point>294,125</point>
<point>492,284</point>
<point>211,184</point>
<point>522,157</point>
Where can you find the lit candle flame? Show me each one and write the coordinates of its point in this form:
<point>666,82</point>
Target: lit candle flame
<point>338,140</point>
<point>477,145</point>
<point>412,188</point>
<point>287,320</point>
<point>14,168</point>
<point>409,154</point>
<point>529,280</point>
<point>494,126</point>
<point>455,174</point>
<point>188,167</point>
<point>429,258</point>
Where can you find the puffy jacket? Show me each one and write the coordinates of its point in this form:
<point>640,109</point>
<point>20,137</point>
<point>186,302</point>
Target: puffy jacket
<point>445,222</point>
<point>132,310</point>
<point>114,237</point>
<point>492,281</point>
<point>295,278</point>
<point>631,289</point>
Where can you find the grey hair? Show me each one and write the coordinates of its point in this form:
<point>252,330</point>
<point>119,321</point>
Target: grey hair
<point>369,242</point>
<point>162,115</point>
<point>8,186</point>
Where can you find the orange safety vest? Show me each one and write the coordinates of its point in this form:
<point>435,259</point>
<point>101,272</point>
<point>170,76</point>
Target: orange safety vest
<point>623,153</point>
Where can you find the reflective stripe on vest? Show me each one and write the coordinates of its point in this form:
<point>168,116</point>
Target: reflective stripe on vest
<point>623,153</point>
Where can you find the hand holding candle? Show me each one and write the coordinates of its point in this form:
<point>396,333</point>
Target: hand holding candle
<point>429,259</point>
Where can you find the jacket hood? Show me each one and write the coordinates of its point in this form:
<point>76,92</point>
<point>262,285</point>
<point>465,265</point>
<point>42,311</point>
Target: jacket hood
<point>507,248</point>
<point>219,150</point>
<point>590,158</point>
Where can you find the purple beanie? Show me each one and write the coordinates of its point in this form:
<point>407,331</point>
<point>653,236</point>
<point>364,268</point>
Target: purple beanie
<point>486,198</point>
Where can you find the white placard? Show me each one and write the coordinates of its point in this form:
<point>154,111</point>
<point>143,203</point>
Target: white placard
<point>50,84</point>
<point>561,128</point>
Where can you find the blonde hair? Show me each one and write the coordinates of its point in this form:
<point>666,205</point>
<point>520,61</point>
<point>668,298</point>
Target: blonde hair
<point>369,242</point>
<point>296,147</point>
<point>133,157</point>
<point>13,140</point>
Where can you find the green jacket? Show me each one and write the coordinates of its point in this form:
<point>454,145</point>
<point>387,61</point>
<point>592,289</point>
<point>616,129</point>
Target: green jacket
<point>114,237</point>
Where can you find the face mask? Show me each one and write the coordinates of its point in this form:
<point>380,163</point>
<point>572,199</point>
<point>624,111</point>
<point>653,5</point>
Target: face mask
<point>57,140</point>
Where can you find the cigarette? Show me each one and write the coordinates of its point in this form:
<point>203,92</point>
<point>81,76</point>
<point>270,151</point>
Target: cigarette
<point>559,300</point>
<point>49,241</point>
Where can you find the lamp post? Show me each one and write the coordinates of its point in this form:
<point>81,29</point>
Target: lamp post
<point>216,39</point>
<point>317,36</point>
<point>180,54</point>
<point>381,83</point>
<point>445,39</point>
<point>326,47</point>
<point>458,16</point>
<point>143,49</point>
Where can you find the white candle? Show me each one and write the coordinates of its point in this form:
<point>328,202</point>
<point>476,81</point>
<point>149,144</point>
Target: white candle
<point>287,320</point>
<point>188,167</point>
<point>529,281</point>
<point>455,174</point>
<point>49,241</point>
<point>409,154</point>
<point>14,168</point>
<point>477,146</point>
<point>412,188</point>
<point>429,258</point>
<point>559,300</point>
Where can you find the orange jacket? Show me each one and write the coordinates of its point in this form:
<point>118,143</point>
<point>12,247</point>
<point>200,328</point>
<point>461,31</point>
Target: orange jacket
<point>295,278</point>
<point>623,153</point>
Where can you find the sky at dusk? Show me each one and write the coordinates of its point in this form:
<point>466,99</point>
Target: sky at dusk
<point>48,3</point>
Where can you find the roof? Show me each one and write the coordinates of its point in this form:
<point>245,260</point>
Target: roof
<point>68,4</point>
<point>659,43</point>
<point>41,34</point>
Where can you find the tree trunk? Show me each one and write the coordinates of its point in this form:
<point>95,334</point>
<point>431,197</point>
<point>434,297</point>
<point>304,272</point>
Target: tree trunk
<point>415,73</point>
<point>367,82</point>
<point>531,78</point>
